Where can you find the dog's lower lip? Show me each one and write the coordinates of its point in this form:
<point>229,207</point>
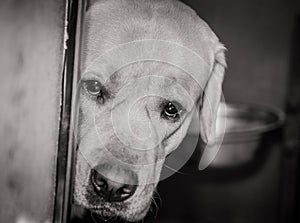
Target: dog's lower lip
<point>103,215</point>
<point>106,216</point>
<point>102,212</point>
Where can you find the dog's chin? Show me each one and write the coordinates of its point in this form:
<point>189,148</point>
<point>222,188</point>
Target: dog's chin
<point>131,210</point>
<point>106,215</point>
<point>114,213</point>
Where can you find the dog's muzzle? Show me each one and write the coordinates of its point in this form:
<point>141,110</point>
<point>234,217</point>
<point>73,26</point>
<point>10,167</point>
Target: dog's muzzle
<point>113,184</point>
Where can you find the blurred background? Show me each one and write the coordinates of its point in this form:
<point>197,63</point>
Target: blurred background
<point>255,177</point>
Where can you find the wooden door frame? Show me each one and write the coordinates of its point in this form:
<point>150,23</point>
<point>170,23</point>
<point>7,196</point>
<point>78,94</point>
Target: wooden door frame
<point>74,13</point>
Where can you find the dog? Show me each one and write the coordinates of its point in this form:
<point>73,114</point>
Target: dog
<point>147,67</point>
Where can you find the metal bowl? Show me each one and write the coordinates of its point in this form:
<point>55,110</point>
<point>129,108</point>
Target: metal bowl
<point>248,128</point>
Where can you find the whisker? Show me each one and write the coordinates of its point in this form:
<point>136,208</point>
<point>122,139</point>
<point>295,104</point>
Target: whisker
<point>157,195</point>
<point>155,205</point>
<point>152,211</point>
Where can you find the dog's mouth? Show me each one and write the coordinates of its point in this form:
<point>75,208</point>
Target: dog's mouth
<point>105,215</point>
<point>106,200</point>
<point>104,212</point>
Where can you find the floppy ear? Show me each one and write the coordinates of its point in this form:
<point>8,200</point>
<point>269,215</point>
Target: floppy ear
<point>212,97</point>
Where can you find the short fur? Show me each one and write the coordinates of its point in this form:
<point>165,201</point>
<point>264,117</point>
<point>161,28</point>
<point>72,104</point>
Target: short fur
<point>103,134</point>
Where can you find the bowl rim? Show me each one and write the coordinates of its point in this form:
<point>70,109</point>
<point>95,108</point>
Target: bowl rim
<point>253,132</point>
<point>260,108</point>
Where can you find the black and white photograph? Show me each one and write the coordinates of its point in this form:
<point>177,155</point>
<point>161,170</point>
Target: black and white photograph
<point>149,111</point>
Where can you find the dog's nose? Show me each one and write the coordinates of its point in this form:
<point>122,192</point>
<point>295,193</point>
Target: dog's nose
<point>111,190</point>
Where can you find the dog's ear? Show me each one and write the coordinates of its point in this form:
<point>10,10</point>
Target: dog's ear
<point>212,97</point>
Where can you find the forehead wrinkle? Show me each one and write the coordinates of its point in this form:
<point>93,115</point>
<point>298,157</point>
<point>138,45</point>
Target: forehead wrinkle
<point>124,76</point>
<point>187,83</point>
<point>115,81</point>
<point>118,104</point>
<point>170,81</point>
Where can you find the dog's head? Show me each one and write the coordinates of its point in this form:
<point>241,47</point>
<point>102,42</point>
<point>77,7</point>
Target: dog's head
<point>147,67</point>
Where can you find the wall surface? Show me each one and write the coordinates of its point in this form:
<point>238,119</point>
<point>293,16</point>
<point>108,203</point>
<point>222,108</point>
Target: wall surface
<point>257,34</point>
<point>31,43</point>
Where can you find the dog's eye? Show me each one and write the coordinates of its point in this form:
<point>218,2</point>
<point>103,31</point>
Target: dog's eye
<point>171,111</point>
<point>93,87</point>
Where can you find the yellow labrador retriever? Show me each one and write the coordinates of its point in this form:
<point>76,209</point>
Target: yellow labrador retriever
<point>147,67</point>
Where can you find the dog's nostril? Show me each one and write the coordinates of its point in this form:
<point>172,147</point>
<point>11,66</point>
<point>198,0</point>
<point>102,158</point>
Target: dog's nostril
<point>100,184</point>
<point>112,191</point>
<point>99,180</point>
<point>126,190</point>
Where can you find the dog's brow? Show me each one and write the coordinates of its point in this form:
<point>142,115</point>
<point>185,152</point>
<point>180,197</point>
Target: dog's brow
<point>115,81</point>
<point>171,81</point>
<point>113,77</point>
